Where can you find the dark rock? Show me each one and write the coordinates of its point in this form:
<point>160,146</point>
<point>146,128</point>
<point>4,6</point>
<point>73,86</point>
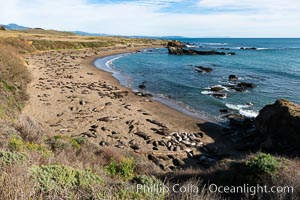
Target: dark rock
<point>240,89</point>
<point>223,111</point>
<point>233,77</point>
<point>280,122</point>
<point>175,43</point>
<point>176,48</point>
<point>2,28</point>
<point>231,53</point>
<point>216,89</point>
<point>248,48</point>
<point>246,85</point>
<point>220,95</point>
<point>203,69</point>
<point>142,86</point>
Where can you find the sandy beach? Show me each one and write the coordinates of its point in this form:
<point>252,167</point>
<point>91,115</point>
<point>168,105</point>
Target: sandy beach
<point>70,96</point>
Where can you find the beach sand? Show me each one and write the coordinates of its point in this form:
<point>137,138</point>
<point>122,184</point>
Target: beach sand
<point>70,96</point>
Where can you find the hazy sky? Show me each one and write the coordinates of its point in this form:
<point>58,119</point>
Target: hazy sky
<point>197,18</point>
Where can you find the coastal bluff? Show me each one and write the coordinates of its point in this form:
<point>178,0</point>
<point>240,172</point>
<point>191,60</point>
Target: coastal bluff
<point>279,125</point>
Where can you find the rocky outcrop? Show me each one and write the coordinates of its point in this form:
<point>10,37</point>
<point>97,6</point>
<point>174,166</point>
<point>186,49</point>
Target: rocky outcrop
<point>2,28</point>
<point>177,48</point>
<point>246,85</point>
<point>279,125</point>
<point>248,48</point>
<point>203,69</point>
<point>233,77</point>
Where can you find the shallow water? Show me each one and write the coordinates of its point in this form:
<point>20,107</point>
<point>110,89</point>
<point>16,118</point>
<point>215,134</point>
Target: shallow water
<point>274,67</point>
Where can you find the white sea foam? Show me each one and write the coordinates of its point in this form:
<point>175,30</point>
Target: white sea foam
<point>191,46</point>
<point>110,62</point>
<point>222,97</point>
<point>217,44</point>
<point>248,113</point>
<point>207,92</point>
<point>242,109</point>
<point>236,107</point>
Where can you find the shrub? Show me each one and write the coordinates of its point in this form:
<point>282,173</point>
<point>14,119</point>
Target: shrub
<point>150,182</point>
<point>64,179</point>
<point>7,157</point>
<point>56,144</point>
<point>76,142</point>
<point>263,164</point>
<point>29,129</point>
<point>38,148</point>
<point>15,143</point>
<point>147,180</point>
<point>124,169</point>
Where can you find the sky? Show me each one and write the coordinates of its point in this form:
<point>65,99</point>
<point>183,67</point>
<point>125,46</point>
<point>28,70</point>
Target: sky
<point>189,18</point>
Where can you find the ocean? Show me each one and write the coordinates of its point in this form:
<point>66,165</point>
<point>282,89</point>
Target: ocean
<point>274,67</point>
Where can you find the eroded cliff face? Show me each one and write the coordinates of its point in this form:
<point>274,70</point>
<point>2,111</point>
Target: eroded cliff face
<point>279,125</point>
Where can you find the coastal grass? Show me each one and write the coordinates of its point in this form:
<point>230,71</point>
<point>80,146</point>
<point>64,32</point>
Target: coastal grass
<point>13,77</point>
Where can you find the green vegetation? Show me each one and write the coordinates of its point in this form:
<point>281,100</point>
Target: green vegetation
<point>263,164</point>
<point>76,142</point>
<point>60,178</point>
<point>7,86</point>
<point>124,169</point>
<point>41,148</point>
<point>13,77</point>
<point>58,45</point>
<point>8,157</point>
<point>15,143</point>
<point>59,143</point>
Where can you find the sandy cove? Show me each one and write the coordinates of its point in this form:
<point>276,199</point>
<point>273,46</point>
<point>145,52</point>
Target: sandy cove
<point>69,95</point>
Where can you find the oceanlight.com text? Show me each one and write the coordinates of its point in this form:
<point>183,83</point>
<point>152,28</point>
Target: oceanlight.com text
<point>247,189</point>
<point>213,188</point>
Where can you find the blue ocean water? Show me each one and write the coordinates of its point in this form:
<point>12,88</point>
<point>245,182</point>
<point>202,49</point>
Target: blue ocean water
<point>274,67</point>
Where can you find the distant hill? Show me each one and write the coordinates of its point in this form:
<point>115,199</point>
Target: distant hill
<point>15,27</point>
<point>82,33</point>
<point>89,34</point>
